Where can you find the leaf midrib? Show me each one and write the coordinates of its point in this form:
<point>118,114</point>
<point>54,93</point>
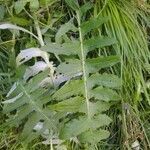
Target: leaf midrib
<point>31,101</point>
<point>83,63</point>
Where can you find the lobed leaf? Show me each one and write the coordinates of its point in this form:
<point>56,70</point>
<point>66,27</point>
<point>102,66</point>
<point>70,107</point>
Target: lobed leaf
<point>95,107</point>
<point>69,26</point>
<point>98,42</point>
<point>30,102</point>
<point>104,94</point>
<point>83,9</point>
<point>76,127</point>
<point>19,5</point>
<point>107,80</point>
<point>70,68</point>
<point>62,49</point>
<point>33,119</point>
<point>73,88</point>
<point>69,105</point>
<point>93,23</point>
<point>21,114</point>
<point>95,64</point>
<point>94,137</point>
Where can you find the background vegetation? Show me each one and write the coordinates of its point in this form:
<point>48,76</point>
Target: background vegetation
<point>74,74</point>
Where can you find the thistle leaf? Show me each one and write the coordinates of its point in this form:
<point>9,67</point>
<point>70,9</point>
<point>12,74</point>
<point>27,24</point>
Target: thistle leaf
<point>107,80</point>
<point>94,136</point>
<point>87,6</point>
<point>95,64</point>
<point>69,105</point>
<point>98,42</point>
<point>76,127</point>
<point>72,99</point>
<point>95,107</point>
<point>29,106</point>
<point>73,88</point>
<point>62,49</point>
<point>69,26</point>
<point>104,94</point>
<point>70,68</point>
<point>93,23</point>
<point>19,5</point>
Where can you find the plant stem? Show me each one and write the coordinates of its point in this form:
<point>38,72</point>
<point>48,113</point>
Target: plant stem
<point>83,64</point>
<point>124,126</point>
<point>38,31</point>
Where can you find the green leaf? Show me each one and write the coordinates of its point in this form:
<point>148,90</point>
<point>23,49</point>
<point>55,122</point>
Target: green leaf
<point>19,5</point>
<point>22,113</point>
<point>94,23</point>
<point>28,127</point>
<point>73,88</point>
<point>107,80</point>
<point>93,137</point>
<point>100,121</point>
<point>33,89</point>
<point>74,66</point>
<point>77,104</point>
<point>64,49</point>
<point>95,107</point>
<point>98,42</point>
<point>76,127</point>
<point>28,107</point>
<point>70,67</point>
<point>34,83</point>
<point>104,94</point>
<point>34,5</point>
<point>95,64</point>
<point>8,107</point>
<point>73,4</point>
<point>69,26</point>
<point>87,6</point>
<point>69,105</point>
